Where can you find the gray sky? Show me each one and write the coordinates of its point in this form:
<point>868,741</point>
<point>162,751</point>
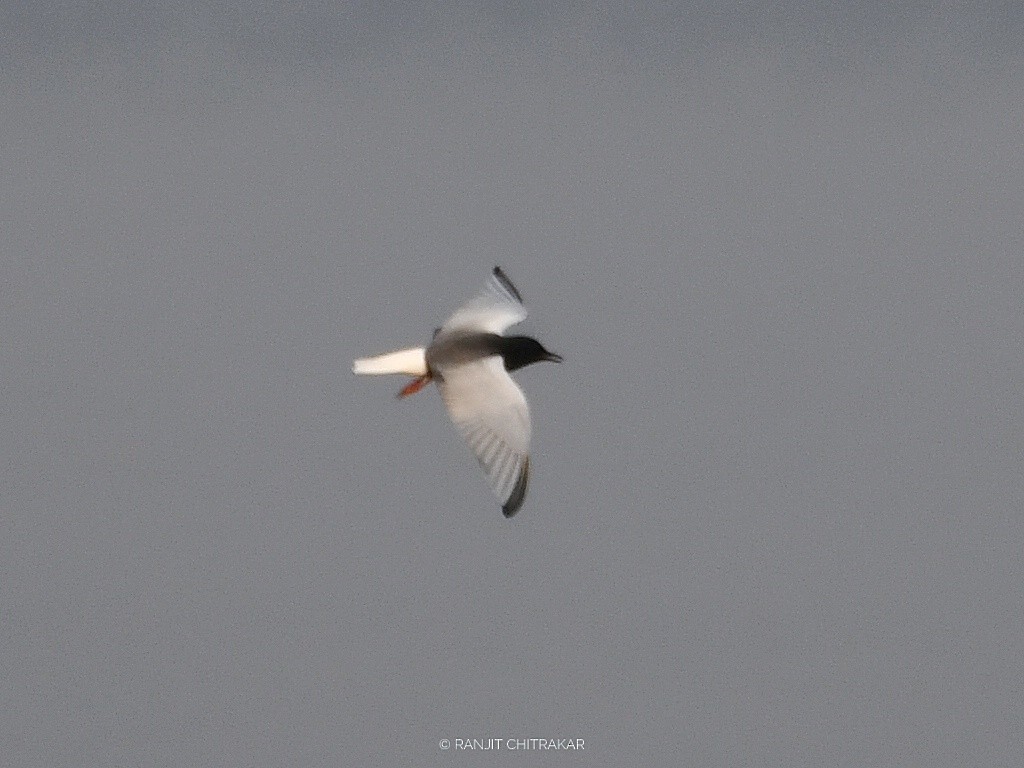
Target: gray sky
<point>775,514</point>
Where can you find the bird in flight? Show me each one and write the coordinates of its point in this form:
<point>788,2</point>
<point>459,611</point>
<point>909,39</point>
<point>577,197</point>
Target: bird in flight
<point>470,359</point>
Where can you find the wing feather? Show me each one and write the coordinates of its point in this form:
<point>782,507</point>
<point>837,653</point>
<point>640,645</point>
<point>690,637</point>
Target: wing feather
<point>491,413</point>
<point>495,310</point>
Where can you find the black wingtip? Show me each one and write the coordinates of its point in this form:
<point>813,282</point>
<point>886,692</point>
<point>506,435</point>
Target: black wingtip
<point>503,279</point>
<point>515,501</point>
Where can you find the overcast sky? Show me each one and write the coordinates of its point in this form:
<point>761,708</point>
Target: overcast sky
<point>775,511</point>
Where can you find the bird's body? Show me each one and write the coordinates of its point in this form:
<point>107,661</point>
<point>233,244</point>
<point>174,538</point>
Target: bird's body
<point>469,358</point>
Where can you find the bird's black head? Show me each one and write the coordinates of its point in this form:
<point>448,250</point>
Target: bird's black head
<point>519,351</point>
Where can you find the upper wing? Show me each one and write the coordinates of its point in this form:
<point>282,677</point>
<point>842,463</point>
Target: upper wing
<point>493,311</point>
<point>490,411</point>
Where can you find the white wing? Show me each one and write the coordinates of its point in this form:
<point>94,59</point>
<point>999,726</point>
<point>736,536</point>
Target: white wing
<point>490,411</point>
<point>493,311</point>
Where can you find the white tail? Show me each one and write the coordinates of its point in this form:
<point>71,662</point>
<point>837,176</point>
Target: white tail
<point>412,362</point>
